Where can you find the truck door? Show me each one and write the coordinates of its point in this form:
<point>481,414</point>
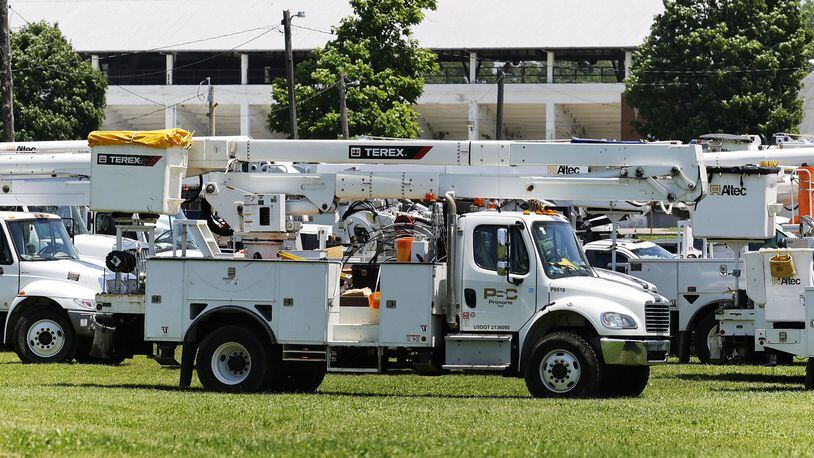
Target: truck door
<point>9,272</point>
<point>492,302</point>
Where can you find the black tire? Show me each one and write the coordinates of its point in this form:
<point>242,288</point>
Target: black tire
<point>564,353</point>
<point>232,359</point>
<point>624,381</point>
<point>699,340</point>
<point>303,377</point>
<point>54,340</point>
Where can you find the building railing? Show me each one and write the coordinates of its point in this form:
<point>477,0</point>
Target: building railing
<point>529,75</point>
<point>446,75</point>
<point>191,76</point>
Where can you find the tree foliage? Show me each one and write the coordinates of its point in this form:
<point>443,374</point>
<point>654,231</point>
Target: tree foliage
<point>383,66</point>
<point>732,66</point>
<point>58,95</point>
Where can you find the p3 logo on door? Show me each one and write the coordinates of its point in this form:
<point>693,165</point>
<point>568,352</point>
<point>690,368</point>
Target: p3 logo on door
<point>500,297</point>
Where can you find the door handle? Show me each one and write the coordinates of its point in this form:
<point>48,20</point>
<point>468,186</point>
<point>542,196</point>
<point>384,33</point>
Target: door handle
<point>470,298</point>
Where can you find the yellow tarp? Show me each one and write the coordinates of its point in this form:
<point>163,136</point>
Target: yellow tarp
<point>153,138</point>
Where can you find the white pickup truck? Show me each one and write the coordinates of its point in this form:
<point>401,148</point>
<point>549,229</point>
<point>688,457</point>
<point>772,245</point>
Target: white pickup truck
<point>47,294</point>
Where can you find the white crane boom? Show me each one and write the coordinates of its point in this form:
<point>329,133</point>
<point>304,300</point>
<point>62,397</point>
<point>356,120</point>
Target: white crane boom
<point>47,173</point>
<point>414,169</point>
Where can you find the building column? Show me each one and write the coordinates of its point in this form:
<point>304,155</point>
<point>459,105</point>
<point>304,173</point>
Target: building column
<point>628,61</point>
<point>549,71</point>
<point>170,59</point>
<point>245,119</point>
<point>244,69</point>
<point>94,61</point>
<point>473,67</point>
<point>550,121</point>
<point>472,123</point>
<point>170,113</point>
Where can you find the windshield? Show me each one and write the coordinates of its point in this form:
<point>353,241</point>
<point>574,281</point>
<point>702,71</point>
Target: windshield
<point>559,250</point>
<point>652,252</point>
<point>41,240</point>
<point>71,216</point>
<point>164,242</point>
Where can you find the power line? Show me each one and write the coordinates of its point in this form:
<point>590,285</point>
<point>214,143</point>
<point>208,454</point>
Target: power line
<point>143,115</point>
<point>183,43</point>
<point>313,29</point>
<point>208,58</point>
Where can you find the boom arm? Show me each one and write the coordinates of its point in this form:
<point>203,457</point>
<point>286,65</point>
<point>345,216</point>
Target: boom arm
<point>351,170</point>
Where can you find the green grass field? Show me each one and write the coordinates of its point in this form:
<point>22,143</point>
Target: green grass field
<point>136,409</point>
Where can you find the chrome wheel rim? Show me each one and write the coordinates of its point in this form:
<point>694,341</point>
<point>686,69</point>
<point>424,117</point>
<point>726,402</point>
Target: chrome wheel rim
<point>45,338</point>
<point>560,371</point>
<point>714,343</point>
<point>231,363</point>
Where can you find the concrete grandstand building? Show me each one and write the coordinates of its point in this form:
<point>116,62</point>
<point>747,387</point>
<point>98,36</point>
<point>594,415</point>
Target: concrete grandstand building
<point>565,74</point>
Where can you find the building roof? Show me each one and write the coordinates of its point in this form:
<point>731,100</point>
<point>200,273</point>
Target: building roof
<point>98,26</point>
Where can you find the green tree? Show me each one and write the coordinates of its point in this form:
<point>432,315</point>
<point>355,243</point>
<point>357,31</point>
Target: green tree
<point>384,68</point>
<point>57,94</point>
<point>731,66</point>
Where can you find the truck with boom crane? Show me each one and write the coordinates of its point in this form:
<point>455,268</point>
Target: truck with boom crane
<point>502,292</point>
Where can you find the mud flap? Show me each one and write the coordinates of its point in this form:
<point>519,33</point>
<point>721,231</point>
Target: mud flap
<point>103,335</point>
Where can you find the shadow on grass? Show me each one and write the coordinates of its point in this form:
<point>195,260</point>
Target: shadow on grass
<point>741,377</point>
<point>420,395</point>
<point>169,388</point>
<point>129,386</point>
<point>768,389</point>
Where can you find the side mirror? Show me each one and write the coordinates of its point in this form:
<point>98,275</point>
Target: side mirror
<point>503,251</point>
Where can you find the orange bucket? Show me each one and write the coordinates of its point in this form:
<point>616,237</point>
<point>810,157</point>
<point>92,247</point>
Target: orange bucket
<point>805,189</point>
<point>374,300</point>
<point>404,249</point>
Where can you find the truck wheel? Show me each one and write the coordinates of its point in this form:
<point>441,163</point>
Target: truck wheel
<point>563,365</point>
<point>44,336</point>
<point>624,381</point>
<point>232,359</point>
<point>705,338</point>
<point>303,377</point>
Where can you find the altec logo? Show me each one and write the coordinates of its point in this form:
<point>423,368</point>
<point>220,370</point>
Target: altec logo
<point>412,152</point>
<point>726,190</point>
<point>791,281</point>
<point>136,160</point>
<point>21,149</point>
<point>564,169</point>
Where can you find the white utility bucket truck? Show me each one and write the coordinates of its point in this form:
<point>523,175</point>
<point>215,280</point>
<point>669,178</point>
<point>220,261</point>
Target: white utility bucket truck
<point>710,310</point>
<point>47,293</point>
<point>502,292</point>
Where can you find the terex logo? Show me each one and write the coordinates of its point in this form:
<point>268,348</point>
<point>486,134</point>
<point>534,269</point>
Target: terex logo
<point>127,160</point>
<point>388,152</point>
<point>564,169</point>
<point>791,281</point>
<point>726,190</point>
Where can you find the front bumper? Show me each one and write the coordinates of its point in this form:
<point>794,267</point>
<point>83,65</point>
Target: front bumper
<point>634,352</point>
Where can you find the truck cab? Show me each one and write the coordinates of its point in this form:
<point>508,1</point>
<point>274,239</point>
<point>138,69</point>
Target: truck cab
<point>545,291</point>
<point>47,293</point>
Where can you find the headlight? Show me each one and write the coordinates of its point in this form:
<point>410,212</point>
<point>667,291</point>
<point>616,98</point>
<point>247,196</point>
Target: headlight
<point>87,303</point>
<point>618,321</point>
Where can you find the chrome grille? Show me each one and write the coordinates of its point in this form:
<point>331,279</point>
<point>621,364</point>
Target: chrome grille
<point>657,317</point>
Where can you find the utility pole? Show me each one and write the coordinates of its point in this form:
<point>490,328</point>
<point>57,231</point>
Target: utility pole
<point>499,126</point>
<point>210,99</point>
<point>7,102</point>
<point>289,73</point>
<point>343,108</point>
